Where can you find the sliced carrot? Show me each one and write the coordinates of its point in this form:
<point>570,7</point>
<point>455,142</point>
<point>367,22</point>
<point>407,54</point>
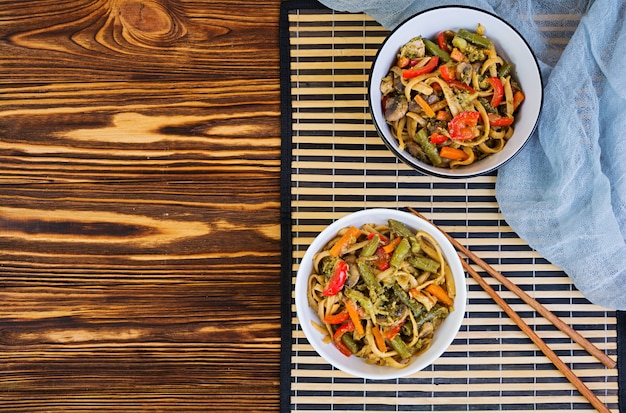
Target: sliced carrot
<point>354,316</point>
<point>378,337</point>
<point>392,245</point>
<point>443,115</point>
<point>518,97</point>
<point>439,294</point>
<point>346,239</point>
<point>457,55</point>
<point>452,153</point>
<point>337,318</point>
<point>428,111</point>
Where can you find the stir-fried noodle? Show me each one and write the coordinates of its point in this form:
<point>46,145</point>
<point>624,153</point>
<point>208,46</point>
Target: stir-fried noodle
<point>381,292</point>
<point>451,101</point>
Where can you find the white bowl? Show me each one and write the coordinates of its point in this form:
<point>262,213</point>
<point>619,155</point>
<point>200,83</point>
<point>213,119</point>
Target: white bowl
<point>509,44</point>
<point>355,365</point>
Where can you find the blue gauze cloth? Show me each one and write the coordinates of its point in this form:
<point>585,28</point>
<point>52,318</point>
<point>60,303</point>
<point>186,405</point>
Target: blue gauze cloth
<point>565,192</point>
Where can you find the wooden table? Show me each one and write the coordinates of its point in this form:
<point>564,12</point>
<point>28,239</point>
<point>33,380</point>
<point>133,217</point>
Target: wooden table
<point>139,206</point>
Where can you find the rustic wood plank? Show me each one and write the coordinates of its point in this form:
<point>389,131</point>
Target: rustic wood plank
<point>139,206</point>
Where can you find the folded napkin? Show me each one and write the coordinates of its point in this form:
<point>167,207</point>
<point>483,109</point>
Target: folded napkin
<point>565,192</point>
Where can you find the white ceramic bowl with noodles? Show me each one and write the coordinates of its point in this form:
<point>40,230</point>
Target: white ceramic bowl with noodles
<point>509,44</point>
<point>357,366</point>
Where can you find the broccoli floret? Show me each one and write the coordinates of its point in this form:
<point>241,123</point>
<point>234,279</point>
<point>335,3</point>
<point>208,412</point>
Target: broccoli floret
<point>474,53</point>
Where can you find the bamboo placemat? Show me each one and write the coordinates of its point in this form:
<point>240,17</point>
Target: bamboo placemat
<point>334,163</point>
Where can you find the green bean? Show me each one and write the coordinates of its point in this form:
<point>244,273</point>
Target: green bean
<point>368,277</point>
<point>421,137</point>
<point>432,315</point>
<point>474,38</point>
<point>350,343</point>
<point>424,263</point>
<point>401,251</point>
<point>416,307</point>
<point>370,248</point>
<point>400,346</point>
<point>362,300</point>
<point>416,245</point>
<point>399,228</point>
<point>435,50</point>
<point>505,69</point>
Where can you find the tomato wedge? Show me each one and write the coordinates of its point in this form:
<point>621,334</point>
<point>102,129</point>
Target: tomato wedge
<point>462,126</point>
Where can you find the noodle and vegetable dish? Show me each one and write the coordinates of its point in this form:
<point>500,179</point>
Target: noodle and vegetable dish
<point>381,292</point>
<point>451,101</point>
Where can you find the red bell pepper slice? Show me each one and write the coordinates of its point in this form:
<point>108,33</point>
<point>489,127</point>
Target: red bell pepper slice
<point>446,73</point>
<point>462,126</point>
<point>382,259</point>
<point>338,318</point>
<point>344,328</point>
<point>390,332</point>
<point>441,41</point>
<point>438,138</point>
<point>381,236</point>
<point>427,68</point>
<point>498,91</point>
<point>337,280</point>
<point>497,120</point>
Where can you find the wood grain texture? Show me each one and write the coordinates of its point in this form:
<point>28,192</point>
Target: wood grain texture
<point>139,206</point>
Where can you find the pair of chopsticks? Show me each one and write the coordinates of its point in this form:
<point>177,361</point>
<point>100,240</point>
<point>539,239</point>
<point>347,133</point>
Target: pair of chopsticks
<point>547,351</point>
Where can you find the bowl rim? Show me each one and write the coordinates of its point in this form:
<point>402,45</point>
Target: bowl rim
<point>326,350</point>
<point>410,160</point>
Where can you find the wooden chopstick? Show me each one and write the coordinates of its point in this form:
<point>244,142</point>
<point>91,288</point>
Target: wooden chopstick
<point>554,358</point>
<point>547,351</point>
<point>536,305</point>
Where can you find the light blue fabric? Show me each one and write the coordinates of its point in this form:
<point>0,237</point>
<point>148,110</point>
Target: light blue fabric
<point>565,192</point>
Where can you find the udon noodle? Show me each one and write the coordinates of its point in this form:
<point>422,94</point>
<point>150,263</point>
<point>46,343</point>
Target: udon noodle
<point>451,101</point>
<point>381,292</point>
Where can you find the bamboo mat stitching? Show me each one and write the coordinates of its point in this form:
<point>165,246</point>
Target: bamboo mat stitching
<point>482,369</point>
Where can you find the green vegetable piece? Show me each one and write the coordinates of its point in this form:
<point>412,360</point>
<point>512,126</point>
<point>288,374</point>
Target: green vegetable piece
<point>400,229</point>
<point>416,245</point>
<point>435,50</point>
<point>368,277</point>
<point>327,266</point>
<point>421,137</point>
<point>432,315</point>
<point>401,251</point>
<point>363,301</point>
<point>370,248</point>
<point>474,38</point>
<point>459,43</point>
<point>416,307</point>
<point>424,264</point>
<point>505,69</point>
<point>400,346</point>
<point>350,343</point>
